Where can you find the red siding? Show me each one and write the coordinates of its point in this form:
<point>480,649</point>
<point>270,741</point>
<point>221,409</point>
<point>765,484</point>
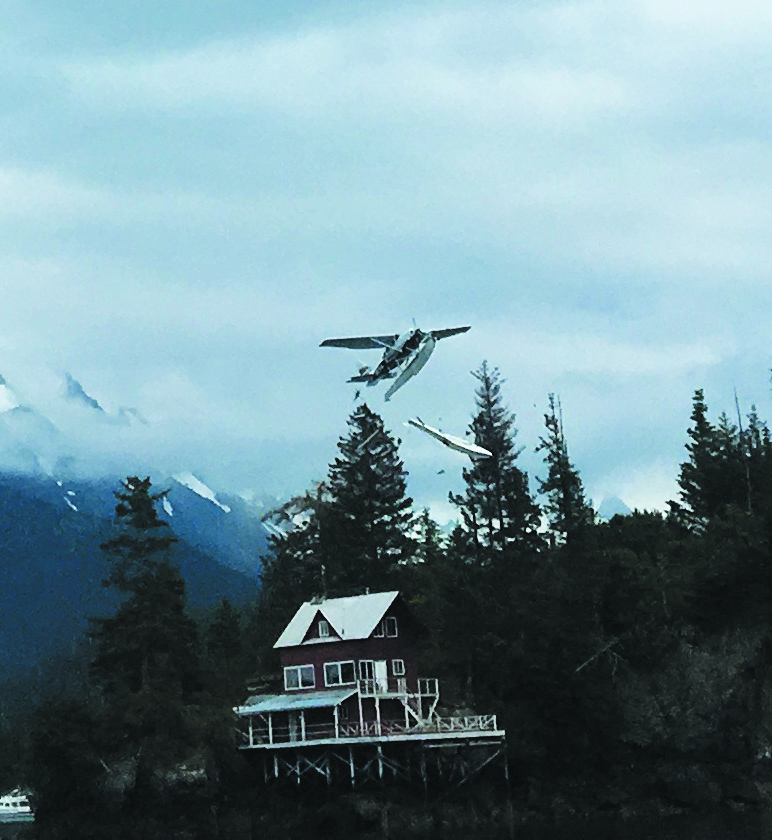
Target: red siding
<point>403,647</point>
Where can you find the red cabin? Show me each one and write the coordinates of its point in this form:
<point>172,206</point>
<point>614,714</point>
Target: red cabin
<point>350,672</point>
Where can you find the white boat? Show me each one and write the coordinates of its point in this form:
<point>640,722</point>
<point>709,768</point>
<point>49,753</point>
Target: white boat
<point>15,807</point>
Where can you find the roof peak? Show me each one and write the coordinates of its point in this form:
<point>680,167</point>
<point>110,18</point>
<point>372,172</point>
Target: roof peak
<point>351,616</point>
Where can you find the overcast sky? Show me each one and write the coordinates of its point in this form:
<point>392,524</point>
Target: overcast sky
<point>194,194</point>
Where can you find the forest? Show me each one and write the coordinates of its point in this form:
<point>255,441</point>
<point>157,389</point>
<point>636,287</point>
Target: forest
<point>628,660</point>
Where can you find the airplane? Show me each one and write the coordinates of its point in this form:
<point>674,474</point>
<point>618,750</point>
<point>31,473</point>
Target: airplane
<point>403,355</point>
<point>475,452</point>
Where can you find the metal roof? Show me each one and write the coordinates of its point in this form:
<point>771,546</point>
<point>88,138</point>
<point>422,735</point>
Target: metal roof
<point>354,617</point>
<point>262,703</point>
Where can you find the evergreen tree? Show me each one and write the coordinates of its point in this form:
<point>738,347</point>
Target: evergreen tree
<point>698,473</point>
<point>429,541</point>
<point>727,467</point>
<point>354,532</point>
<point>142,540</point>
<point>294,566</point>
<point>497,508</point>
<point>150,642</point>
<point>224,633</point>
<point>114,761</point>
<point>364,530</point>
<point>226,662</point>
<point>568,510</point>
<point>757,451</point>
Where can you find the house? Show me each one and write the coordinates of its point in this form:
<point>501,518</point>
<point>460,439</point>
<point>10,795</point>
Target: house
<point>350,673</point>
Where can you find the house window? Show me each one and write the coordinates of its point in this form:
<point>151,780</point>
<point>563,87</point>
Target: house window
<point>366,669</point>
<point>299,676</point>
<point>324,629</point>
<point>398,667</point>
<point>387,627</point>
<point>339,673</point>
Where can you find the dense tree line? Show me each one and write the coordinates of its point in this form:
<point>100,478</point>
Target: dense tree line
<point>535,608</point>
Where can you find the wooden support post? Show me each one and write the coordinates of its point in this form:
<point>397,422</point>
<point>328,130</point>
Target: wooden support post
<point>302,725</point>
<point>270,728</point>
<point>423,769</point>
<point>335,716</point>
<point>251,734</point>
<point>351,765</point>
<point>380,759</point>
<point>377,716</point>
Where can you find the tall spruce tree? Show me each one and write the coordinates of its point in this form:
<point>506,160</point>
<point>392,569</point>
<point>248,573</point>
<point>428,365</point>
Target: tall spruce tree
<point>722,468</point>
<point>149,644</point>
<point>698,473</point>
<point>355,531</point>
<point>567,509</point>
<point>365,528</point>
<point>757,451</point>
<point>497,508</point>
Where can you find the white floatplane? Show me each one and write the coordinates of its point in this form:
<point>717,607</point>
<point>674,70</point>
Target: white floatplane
<point>403,355</point>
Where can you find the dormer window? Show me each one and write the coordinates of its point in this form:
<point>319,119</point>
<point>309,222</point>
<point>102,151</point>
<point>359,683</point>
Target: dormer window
<point>387,627</point>
<point>324,629</point>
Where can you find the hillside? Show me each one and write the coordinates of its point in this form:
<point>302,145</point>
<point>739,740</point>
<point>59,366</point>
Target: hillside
<point>52,566</point>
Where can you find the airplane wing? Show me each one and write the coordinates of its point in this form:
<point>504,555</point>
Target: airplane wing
<point>451,441</point>
<point>365,342</point>
<point>438,334</point>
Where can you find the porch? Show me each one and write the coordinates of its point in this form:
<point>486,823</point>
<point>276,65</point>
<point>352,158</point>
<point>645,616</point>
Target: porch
<point>262,732</point>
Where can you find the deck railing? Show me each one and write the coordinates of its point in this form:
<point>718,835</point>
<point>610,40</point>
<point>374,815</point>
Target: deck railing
<point>383,686</point>
<point>468,723</point>
<point>368,730</point>
<point>427,687</point>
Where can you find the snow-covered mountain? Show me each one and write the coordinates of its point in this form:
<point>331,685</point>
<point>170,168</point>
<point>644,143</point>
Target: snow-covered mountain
<point>57,507</point>
<point>36,447</point>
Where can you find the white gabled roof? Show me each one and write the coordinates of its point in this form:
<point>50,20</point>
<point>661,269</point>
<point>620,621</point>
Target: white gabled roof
<point>354,617</point>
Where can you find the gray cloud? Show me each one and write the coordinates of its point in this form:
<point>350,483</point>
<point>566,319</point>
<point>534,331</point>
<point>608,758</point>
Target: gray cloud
<point>185,213</point>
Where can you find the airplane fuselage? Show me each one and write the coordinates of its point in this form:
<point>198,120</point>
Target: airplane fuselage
<point>407,344</point>
<point>420,358</point>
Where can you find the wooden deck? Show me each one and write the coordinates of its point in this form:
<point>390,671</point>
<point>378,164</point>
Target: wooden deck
<point>471,728</point>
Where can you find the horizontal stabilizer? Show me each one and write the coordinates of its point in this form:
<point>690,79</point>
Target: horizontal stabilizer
<point>370,379</point>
